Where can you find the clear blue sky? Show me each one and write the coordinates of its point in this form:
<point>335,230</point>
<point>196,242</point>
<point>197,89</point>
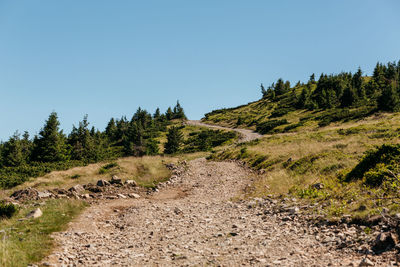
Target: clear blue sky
<point>106,58</point>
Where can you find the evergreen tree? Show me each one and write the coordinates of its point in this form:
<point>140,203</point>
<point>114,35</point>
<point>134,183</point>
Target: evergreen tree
<point>263,91</point>
<point>389,99</point>
<point>111,130</point>
<point>152,147</point>
<point>348,97</point>
<point>82,143</point>
<point>169,114</point>
<point>301,102</point>
<point>174,140</point>
<point>157,114</point>
<point>178,112</point>
<point>312,78</point>
<point>50,146</point>
<point>280,87</point>
<point>13,155</point>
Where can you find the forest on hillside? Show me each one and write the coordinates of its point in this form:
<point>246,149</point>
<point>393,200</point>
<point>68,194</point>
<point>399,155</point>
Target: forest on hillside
<point>330,98</point>
<point>22,157</point>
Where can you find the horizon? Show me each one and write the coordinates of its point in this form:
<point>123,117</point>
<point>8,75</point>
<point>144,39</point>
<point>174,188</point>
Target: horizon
<point>106,60</point>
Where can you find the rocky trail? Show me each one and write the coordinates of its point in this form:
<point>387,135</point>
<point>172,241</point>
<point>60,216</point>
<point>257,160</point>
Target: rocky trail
<point>198,218</point>
<point>245,134</point>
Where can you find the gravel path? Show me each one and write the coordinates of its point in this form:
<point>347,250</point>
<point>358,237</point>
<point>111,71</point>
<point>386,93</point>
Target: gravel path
<point>245,134</point>
<point>195,221</point>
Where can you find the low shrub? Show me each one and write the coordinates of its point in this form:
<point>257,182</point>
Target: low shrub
<point>268,126</point>
<point>377,166</point>
<point>7,210</point>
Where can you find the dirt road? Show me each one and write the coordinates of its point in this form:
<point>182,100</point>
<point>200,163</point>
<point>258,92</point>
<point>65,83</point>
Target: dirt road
<point>245,134</point>
<point>195,221</point>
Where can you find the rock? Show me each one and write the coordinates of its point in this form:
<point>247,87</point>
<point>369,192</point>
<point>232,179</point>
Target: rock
<point>102,183</point>
<point>366,262</point>
<point>85,196</point>
<point>111,197</point>
<point>318,186</point>
<point>77,189</point>
<point>94,188</point>
<point>34,214</point>
<point>177,211</point>
<point>26,194</point>
<point>171,166</point>
<point>115,180</point>
<point>133,195</point>
<point>131,182</point>
<point>294,210</point>
<point>383,242</point>
<point>45,194</point>
<point>121,196</point>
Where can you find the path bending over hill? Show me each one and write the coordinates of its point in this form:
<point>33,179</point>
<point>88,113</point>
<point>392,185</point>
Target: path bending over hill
<point>245,134</point>
<point>195,221</point>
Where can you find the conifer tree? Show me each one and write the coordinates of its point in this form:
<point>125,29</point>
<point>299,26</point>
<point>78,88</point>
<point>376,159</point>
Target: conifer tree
<point>13,155</point>
<point>157,114</point>
<point>50,146</point>
<point>263,91</point>
<point>178,112</point>
<point>174,140</point>
<point>389,99</point>
<point>169,114</point>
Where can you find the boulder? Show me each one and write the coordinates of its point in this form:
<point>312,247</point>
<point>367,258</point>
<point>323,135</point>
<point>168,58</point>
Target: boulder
<point>133,195</point>
<point>383,242</point>
<point>115,180</point>
<point>34,214</point>
<point>26,194</point>
<point>102,183</point>
<point>366,262</point>
<point>45,194</point>
<point>93,188</point>
<point>131,182</point>
<point>121,196</point>
<point>77,189</point>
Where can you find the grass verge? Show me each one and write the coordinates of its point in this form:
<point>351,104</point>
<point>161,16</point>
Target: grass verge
<point>28,241</point>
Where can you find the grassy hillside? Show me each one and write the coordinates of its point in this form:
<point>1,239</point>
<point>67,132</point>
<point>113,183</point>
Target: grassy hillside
<point>331,141</point>
<point>294,163</point>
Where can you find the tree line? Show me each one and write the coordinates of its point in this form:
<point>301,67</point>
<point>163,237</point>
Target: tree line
<point>122,137</point>
<point>344,90</point>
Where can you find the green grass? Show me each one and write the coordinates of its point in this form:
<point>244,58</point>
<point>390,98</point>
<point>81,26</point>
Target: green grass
<point>292,163</point>
<point>29,241</point>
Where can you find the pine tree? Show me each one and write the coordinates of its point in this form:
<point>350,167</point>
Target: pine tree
<point>169,114</point>
<point>157,114</point>
<point>82,144</point>
<point>348,98</point>
<point>13,155</point>
<point>111,130</point>
<point>263,91</point>
<point>389,99</point>
<point>174,140</point>
<point>50,146</point>
<point>301,102</point>
<point>312,78</point>
<point>178,112</point>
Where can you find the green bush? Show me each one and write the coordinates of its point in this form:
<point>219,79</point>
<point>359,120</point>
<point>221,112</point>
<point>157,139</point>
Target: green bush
<point>106,168</point>
<point>268,126</point>
<point>377,166</point>
<point>13,176</point>
<point>207,139</point>
<point>7,210</point>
